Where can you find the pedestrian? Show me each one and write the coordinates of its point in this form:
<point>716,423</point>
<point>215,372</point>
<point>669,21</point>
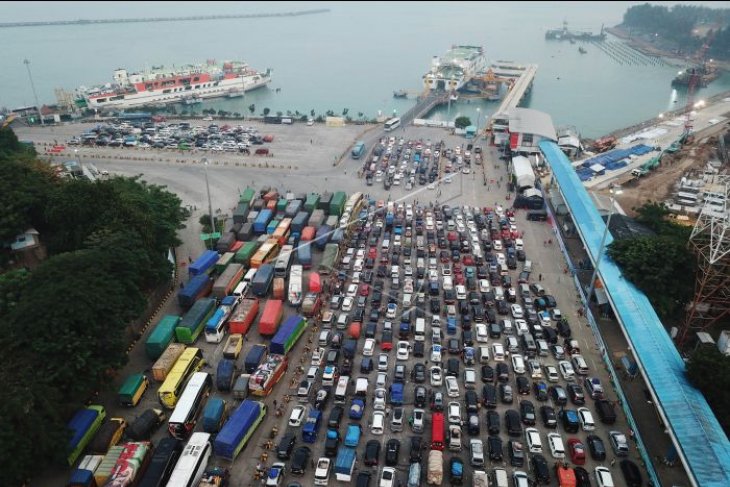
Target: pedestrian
<point>613,462</point>
<point>539,277</point>
<point>182,285</point>
<point>274,403</point>
<point>190,260</point>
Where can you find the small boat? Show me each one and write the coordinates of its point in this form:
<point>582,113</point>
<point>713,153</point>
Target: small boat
<point>400,94</point>
<point>192,100</point>
<point>582,50</point>
<point>234,93</point>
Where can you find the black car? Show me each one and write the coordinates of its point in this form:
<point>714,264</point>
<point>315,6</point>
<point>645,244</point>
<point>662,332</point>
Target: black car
<point>493,424</point>
<point>416,449</point>
<point>285,447</point>
<point>452,367</point>
<point>467,338</point>
<point>596,447</point>
<point>631,472</point>
<point>516,453</point>
<point>494,444</point>
<point>453,346</point>
<point>300,460</point>
<point>502,307</point>
<point>512,421</point>
<point>563,328</point>
<point>495,330</point>
<point>540,389</point>
<point>400,373</point>
<point>527,412</point>
<point>435,305</point>
<point>392,450</point>
<point>489,396</point>
<point>419,397</point>
<point>335,417</point>
<point>523,385</point>
<point>472,424</point>
<point>372,453</point>
<point>363,479</point>
<point>559,395</point>
<point>582,478</point>
<point>549,418</point>
<point>549,301</point>
<point>575,391</point>
<point>418,374</point>
<point>502,372</point>
<point>487,373</point>
<point>540,467</point>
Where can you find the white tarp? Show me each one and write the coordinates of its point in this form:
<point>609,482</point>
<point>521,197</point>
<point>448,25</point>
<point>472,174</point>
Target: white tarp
<point>524,175</point>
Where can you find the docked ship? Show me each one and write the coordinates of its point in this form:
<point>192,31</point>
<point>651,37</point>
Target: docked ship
<point>453,70</point>
<point>704,74</point>
<point>163,86</point>
<point>564,33</point>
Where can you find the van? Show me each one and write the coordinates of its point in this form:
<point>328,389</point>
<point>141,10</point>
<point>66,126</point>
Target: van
<point>378,425</point>
<point>414,475</point>
<point>241,289</point>
<point>529,345</point>
<point>579,365</point>
<point>524,290</point>
<point>420,330</point>
<point>499,478</point>
<point>483,354</point>
<point>542,348</point>
<point>324,338</point>
<point>527,266</point>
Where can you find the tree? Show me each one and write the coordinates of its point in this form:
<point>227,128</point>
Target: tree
<point>252,108</point>
<point>709,371</point>
<point>462,122</point>
<point>360,114</point>
<point>279,113</point>
<point>267,110</point>
<point>345,112</point>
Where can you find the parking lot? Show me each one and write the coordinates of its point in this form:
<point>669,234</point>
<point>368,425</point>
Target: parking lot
<point>468,193</point>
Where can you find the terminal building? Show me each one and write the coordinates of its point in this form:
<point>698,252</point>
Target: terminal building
<point>523,129</point>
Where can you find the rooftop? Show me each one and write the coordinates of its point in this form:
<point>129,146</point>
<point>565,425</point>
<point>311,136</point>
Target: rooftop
<point>529,121</point>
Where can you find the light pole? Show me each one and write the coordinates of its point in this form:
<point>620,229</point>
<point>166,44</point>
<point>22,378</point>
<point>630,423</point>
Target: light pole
<point>479,120</point>
<point>615,191</point>
<point>210,205</point>
<point>32,86</point>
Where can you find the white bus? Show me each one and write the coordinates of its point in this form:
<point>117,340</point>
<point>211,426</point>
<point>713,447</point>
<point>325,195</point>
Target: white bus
<point>283,261</point>
<point>392,124</point>
<point>192,463</point>
<point>183,418</point>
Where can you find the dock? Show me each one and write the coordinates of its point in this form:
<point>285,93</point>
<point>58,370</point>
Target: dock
<point>523,85</point>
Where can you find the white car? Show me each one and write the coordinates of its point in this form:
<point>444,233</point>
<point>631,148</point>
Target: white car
<point>482,333</point>
<point>369,347</point>
<point>603,477</point>
<point>484,286</point>
<point>352,291</point>
<point>381,379</point>
<point>382,363</point>
<point>436,354</point>
<point>452,386</point>
<point>552,373</point>
<point>391,311</point>
<point>297,416</point>
<point>586,419</point>
<point>378,423</point>
<point>437,378</point>
<point>454,413</point>
<point>380,398</point>
<point>566,370</point>
<point>517,311</point>
<point>387,477</point>
<point>276,472</point>
<point>348,303</point>
<point>518,363</point>
<point>498,352</point>
<point>402,350</point>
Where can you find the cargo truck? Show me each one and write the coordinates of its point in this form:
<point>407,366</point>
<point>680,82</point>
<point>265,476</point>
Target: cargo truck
<point>324,201</point>
<point>241,212</point>
<point>225,242</point>
<point>225,375</point>
<point>132,390</point>
<point>105,468</point>
<point>322,237</point>
<point>293,208</point>
<point>83,426</point>
<point>83,475</point>
<point>245,253</point>
<point>223,262</point>
<point>311,304</point>
<point>192,324</point>
<point>435,467</point>
<point>247,195</point>
<point>295,285</point>
<point>243,315</point>
<point>262,280</point>
<point>345,464</point>
<point>130,465</point>
<point>164,457</point>
<point>226,282</point>
<point>304,255</point>
<point>233,346</point>
<point>262,220</point>
<point>215,477</point>
<point>214,414</point>
<point>196,288</point>
<point>109,434</point>
<point>308,234</point>
<point>278,288</point>
<point>254,357</point>
<point>271,317</point>
<point>317,219</point>
<point>337,205</point>
<point>166,361</point>
<point>161,336</point>
<point>245,233</point>
<point>239,429</point>
<point>203,264</point>
<point>310,204</point>
<point>288,334</point>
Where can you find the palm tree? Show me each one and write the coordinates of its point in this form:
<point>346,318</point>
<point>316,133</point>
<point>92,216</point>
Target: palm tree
<point>252,108</point>
<point>267,110</point>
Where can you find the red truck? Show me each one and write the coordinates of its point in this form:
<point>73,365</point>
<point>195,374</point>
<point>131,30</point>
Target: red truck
<point>271,317</point>
<point>243,316</point>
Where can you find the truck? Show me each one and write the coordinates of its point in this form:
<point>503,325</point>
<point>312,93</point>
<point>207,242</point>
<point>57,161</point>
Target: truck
<point>228,281</point>
<point>308,234</point>
<point>241,212</point>
<point>164,364</point>
<point>299,222</point>
<point>262,220</point>
<point>310,204</point>
<point>329,259</point>
<point>337,205</point>
<point>247,195</point>
<point>131,464</point>
<point>240,387</point>
<point>262,280</point>
<point>104,470</point>
<point>315,283</point>
<point>223,262</point>
<point>225,242</point>
<point>225,374</point>
<point>254,357</point>
<point>294,295</point>
<point>388,220</point>
<point>233,346</point>
<point>288,334</point>
<point>245,233</point>
<point>83,426</point>
<point>317,219</point>
<point>196,288</point>
<point>293,208</point>
<point>83,475</point>
<point>244,254</point>
<point>281,205</point>
<point>161,336</point>
<point>214,326</point>
<point>324,201</point>
<point>239,428</point>
<point>304,255</point>
<point>345,464</point>
<point>109,434</point>
<point>311,304</point>
<point>271,317</point>
<point>278,288</point>
<point>243,315</point>
<point>322,237</point>
<point>267,375</point>
<point>203,264</point>
<point>435,473</point>
<point>192,324</point>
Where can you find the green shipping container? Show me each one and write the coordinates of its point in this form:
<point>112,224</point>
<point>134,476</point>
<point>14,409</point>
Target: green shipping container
<point>223,262</point>
<point>193,322</point>
<point>281,204</point>
<point>244,254</point>
<point>310,204</point>
<point>247,196</point>
<point>337,205</point>
<point>272,226</point>
<point>161,336</point>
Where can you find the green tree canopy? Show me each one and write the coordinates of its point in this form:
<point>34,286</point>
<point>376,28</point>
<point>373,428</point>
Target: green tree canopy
<point>462,122</point>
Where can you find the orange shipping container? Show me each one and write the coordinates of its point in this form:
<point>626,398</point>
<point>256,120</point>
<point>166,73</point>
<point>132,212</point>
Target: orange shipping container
<point>278,288</point>
<point>271,317</point>
<point>308,233</point>
<point>166,361</point>
<point>315,284</point>
<point>243,315</point>
<point>236,246</point>
<point>271,196</point>
<point>271,205</point>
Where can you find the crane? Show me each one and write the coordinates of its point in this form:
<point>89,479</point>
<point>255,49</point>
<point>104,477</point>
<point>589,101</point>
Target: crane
<point>695,78</point>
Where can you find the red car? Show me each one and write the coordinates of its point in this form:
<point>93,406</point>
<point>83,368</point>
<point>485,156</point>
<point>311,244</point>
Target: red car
<point>577,451</point>
<point>364,290</point>
<point>372,252</point>
<point>468,260</point>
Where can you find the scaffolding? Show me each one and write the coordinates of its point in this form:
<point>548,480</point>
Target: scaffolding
<point>710,242</point>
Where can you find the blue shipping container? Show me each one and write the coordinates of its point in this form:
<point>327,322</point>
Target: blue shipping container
<point>262,280</point>
<point>304,255</point>
<point>213,414</point>
<point>224,375</point>
<point>322,237</point>
<point>238,429</point>
<point>284,340</point>
<point>263,219</point>
<point>204,263</point>
<point>196,287</point>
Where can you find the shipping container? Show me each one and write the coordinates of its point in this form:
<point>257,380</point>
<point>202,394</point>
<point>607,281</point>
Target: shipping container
<point>161,336</point>
<point>225,242</point>
<point>337,205</point>
<point>263,219</point>
<point>281,205</point>
<point>204,263</point>
<point>308,234</point>
<point>288,334</point>
<point>214,414</point>
<point>292,208</point>
<point>192,324</point>
<point>241,212</point>
<point>304,255</point>
<point>262,280</point>
<point>271,226</point>
<point>246,232</point>
<point>299,222</point>
<point>239,429</point>
<point>258,204</point>
<point>166,361</point>
<point>223,261</point>
<point>324,201</point>
<point>332,221</point>
<point>252,216</point>
<point>271,317</point>
<point>271,196</point>
<point>317,219</point>
<point>329,259</point>
<point>247,195</point>
<point>254,357</point>
<point>196,288</point>
<point>322,237</point>
<point>225,374</point>
<point>227,282</point>
<point>315,283</point>
<point>338,236</point>
<point>279,285</point>
<point>311,202</point>
<point>244,255</point>
<point>243,315</point>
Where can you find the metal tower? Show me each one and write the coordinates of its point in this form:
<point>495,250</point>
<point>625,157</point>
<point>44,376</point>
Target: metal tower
<point>710,241</point>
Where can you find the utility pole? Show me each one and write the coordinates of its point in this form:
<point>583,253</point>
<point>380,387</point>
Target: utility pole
<point>210,205</point>
<point>35,95</point>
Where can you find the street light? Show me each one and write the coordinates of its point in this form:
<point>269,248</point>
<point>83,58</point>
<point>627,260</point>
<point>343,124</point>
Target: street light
<point>479,120</point>
<point>204,160</point>
<point>615,190</point>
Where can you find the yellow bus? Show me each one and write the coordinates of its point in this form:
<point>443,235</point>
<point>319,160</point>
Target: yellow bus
<point>265,254</point>
<point>189,362</point>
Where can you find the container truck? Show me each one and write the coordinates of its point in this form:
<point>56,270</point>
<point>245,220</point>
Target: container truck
<point>324,201</point>
<point>109,434</point>
<point>192,324</point>
<point>322,237</point>
<point>295,285</point>
<point>299,222</point>
<point>196,288</point>
<point>239,428</point>
<point>435,467</point>
<point>254,357</point>
<point>166,361</point>
<point>311,304</point>
<point>293,208</point>
<point>161,336</point>
<point>247,195</point>
<point>243,315</point>
<point>317,219</point>
<point>278,288</point>
<point>337,205</point>
<point>345,464</point>
<point>262,220</point>
<point>204,263</point>
<point>227,281</point>
<point>225,242</point>
<point>304,255</point>
<point>130,465</point>
<point>262,280</point>
<point>308,233</point>
<point>245,233</point>
<point>241,212</point>
<point>83,426</point>
<point>105,468</point>
<point>310,204</point>
<point>225,375</point>
<point>244,254</point>
<point>214,414</point>
<point>271,317</point>
<point>83,475</point>
<point>223,262</point>
<point>288,334</point>
<point>215,326</point>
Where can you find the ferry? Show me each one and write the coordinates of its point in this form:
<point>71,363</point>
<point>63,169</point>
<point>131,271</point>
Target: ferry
<point>454,69</point>
<point>188,84</point>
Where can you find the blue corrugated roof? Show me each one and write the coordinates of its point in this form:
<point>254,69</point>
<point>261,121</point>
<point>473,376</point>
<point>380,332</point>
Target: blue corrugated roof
<point>701,439</point>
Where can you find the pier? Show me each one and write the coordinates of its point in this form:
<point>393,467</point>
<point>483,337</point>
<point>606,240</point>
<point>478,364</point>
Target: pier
<point>520,88</point>
<point>424,105</point>
<point>163,19</point>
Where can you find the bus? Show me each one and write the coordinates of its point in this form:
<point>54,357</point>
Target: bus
<point>358,150</point>
<point>193,461</point>
<point>392,124</point>
<point>189,362</point>
<point>283,230</point>
<point>183,419</point>
<point>437,431</point>
<point>283,261</point>
<point>265,254</point>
